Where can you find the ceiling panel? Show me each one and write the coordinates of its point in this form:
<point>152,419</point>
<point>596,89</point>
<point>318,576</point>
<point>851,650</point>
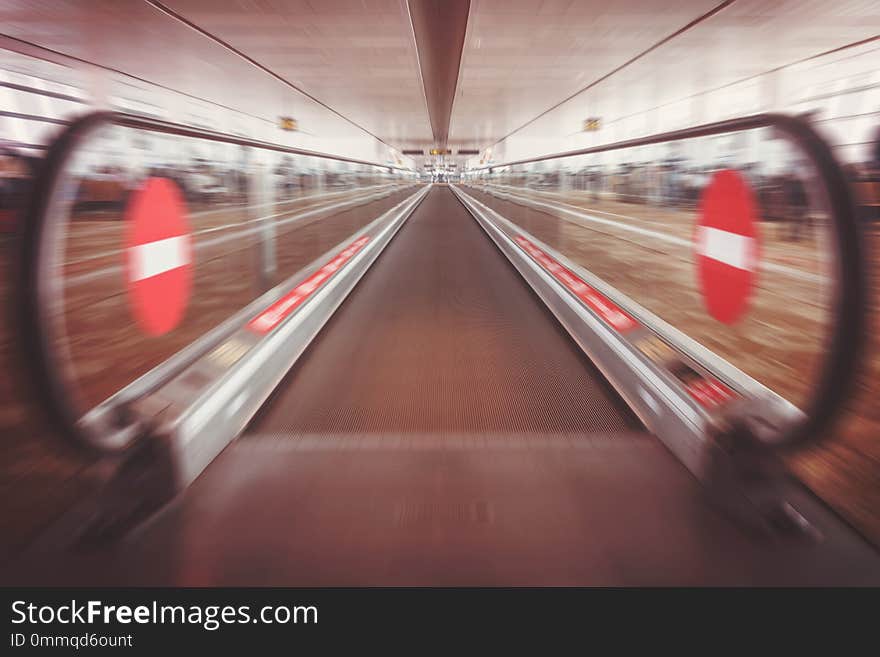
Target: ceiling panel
<point>522,58</point>
<point>356,56</point>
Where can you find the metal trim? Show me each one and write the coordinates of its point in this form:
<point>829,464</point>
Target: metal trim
<point>197,430</point>
<point>678,421</point>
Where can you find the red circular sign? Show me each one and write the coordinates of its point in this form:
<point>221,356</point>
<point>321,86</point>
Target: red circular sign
<point>726,246</point>
<point>158,256</point>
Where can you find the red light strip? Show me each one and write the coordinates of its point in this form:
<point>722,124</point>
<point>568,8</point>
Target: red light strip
<point>709,392</point>
<point>278,311</point>
<point>607,310</point>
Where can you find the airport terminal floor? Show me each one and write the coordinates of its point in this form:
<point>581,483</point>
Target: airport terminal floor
<point>439,293</point>
<point>474,444</point>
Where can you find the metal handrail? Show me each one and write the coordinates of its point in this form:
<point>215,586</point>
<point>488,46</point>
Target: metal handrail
<point>751,122</point>
<point>180,130</point>
<point>839,369</point>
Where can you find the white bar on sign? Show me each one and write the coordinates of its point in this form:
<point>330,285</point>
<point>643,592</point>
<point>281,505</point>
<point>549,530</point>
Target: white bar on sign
<point>154,258</point>
<point>730,248</point>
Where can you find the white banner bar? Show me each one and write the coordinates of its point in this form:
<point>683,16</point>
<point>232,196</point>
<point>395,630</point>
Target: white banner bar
<point>730,248</point>
<point>154,258</point>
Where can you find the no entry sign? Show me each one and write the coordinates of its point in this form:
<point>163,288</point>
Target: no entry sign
<point>726,246</point>
<point>158,256</point>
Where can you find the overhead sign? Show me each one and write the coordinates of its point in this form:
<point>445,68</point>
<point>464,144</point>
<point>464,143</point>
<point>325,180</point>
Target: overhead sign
<point>726,246</point>
<point>441,151</point>
<point>288,123</point>
<point>592,124</point>
<point>158,256</point>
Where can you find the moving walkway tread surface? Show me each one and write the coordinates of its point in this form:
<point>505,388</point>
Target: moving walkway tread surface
<point>442,334</point>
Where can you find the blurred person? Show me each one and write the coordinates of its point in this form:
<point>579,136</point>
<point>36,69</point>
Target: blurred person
<point>595,183</point>
<point>688,187</point>
<point>875,155</point>
<point>16,172</point>
<point>865,181</point>
<point>796,205</point>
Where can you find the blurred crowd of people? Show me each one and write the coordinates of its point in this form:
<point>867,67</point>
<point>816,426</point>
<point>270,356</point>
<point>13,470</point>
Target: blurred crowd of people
<point>202,182</point>
<point>783,196</point>
<point>672,183</point>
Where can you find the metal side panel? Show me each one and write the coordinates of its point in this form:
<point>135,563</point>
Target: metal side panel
<point>199,412</point>
<point>770,402</point>
<point>645,366</point>
<point>677,419</point>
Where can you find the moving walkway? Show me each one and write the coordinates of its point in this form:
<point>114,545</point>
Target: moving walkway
<point>442,398</point>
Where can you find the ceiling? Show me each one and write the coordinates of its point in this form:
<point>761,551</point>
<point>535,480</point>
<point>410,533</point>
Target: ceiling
<point>357,56</point>
<point>522,57</point>
<point>519,57</point>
